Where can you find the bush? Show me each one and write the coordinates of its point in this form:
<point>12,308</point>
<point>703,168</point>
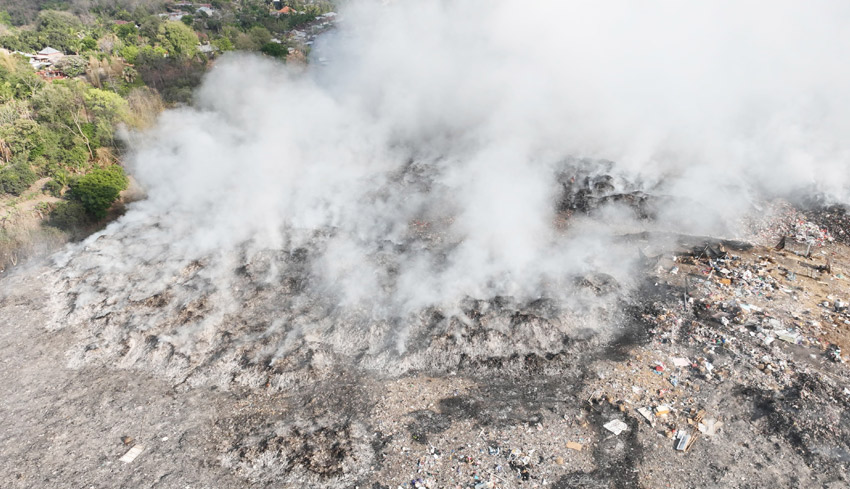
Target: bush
<point>75,157</point>
<point>54,188</point>
<point>69,216</point>
<point>129,53</point>
<point>17,178</point>
<point>274,49</point>
<point>99,189</point>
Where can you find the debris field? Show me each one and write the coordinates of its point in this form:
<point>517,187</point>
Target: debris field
<point>724,367</point>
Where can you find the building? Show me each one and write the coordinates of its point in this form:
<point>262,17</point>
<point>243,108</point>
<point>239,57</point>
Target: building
<point>48,54</point>
<point>287,10</point>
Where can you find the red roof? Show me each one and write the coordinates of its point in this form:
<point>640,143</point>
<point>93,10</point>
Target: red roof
<point>286,10</point>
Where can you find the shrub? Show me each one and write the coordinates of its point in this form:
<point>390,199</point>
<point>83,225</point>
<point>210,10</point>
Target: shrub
<point>54,188</point>
<point>129,53</point>
<point>99,189</point>
<point>274,49</point>
<point>75,157</point>
<point>15,179</point>
<point>69,216</point>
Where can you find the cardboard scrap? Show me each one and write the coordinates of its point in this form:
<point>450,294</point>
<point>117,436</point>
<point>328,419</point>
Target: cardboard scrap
<point>574,446</point>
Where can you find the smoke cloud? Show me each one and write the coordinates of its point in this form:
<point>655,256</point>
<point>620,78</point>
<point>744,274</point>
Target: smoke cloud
<point>425,162</point>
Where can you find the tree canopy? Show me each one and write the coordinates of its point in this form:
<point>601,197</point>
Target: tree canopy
<point>178,39</point>
<point>99,189</point>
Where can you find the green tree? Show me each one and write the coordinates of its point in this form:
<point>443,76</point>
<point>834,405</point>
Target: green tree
<point>130,53</point>
<point>99,189</point>
<point>244,42</point>
<point>88,44</point>
<point>72,66</point>
<point>126,32</point>
<point>21,137</point>
<point>223,44</point>
<point>260,35</point>
<point>63,107</point>
<point>107,110</point>
<point>178,39</point>
<point>17,80</point>
<point>149,27</point>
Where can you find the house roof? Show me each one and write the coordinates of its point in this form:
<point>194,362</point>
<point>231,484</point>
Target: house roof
<point>286,10</point>
<point>48,51</point>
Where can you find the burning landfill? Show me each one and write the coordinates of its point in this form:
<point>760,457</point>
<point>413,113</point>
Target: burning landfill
<point>391,274</point>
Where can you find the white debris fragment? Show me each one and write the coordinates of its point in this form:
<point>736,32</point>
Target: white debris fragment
<point>709,427</point>
<point>647,414</point>
<point>680,362</point>
<point>132,454</point>
<point>788,336</point>
<point>683,438</point>
<point>616,426</point>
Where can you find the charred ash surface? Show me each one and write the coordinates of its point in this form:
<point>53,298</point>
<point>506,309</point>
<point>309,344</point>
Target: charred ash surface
<point>587,186</point>
<point>722,364</point>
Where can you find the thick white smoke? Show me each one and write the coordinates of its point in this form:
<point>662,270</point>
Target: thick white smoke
<point>420,165</point>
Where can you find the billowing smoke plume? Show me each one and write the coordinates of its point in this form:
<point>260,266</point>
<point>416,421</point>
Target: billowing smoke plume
<point>425,163</point>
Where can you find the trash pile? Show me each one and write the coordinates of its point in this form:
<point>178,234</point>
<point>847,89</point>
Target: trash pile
<point>752,320</point>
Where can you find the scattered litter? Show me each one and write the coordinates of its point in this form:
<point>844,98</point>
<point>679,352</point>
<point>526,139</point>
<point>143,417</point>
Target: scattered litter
<point>683,438</point>
<point>616,426</point>
<point>662,410</point>
<point>680,362</point>
<point>132,454</point>
<point>576,446</point>
<point>788,336</point>
<point>709,427</point>
<point>647,414</point>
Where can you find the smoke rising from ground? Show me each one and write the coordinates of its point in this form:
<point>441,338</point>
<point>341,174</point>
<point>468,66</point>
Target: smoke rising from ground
<point>421,165</point>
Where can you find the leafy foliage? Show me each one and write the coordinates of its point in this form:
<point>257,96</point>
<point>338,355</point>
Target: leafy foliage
<point>99,189</point>
<point>15,179</point>
<point>69,216</point>
<point>274,49</point>
<point>54,188</point>
<point>72,65</point>
<point>178,39</point>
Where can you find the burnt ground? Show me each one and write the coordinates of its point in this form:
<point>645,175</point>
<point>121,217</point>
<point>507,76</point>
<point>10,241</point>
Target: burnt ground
<point>732,344</point>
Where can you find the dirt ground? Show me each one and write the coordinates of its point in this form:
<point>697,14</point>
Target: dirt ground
<point>726,350</point>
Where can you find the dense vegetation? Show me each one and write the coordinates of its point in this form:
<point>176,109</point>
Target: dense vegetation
<point>119,63</point>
